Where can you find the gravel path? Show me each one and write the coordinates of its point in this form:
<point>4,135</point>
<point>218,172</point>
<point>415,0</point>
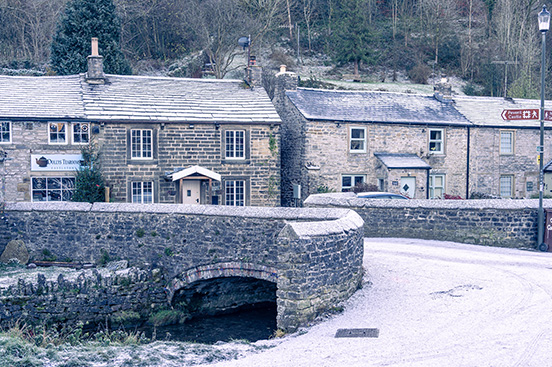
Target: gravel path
<point>435,304</point>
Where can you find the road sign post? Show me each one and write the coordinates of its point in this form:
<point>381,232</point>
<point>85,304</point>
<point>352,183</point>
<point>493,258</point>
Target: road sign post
<point>522,114</point>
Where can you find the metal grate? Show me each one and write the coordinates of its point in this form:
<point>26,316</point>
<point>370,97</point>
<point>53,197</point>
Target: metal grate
<point>357,333</point>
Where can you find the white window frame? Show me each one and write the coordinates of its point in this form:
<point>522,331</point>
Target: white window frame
<point>234,193</point>
<point>354,179</point>
<point>63,189</point>
<point>232,148</point>
<point>433,187</point>
<point>506,180</point>
<point>3,131</point>
<point>141,149</point>
<point>507,149</point>
<point>436,141</point>
<point>85,130</point>
<point>58,124</point>
<point>362,140</point>
<point>142,192</point>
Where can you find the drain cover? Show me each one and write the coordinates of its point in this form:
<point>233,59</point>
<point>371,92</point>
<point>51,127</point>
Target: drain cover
<point>357,333</point>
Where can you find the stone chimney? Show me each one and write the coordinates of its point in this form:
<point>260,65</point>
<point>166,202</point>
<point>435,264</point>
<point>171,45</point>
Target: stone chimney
<point>254,73</point>
<point>443,91</point>
<point>286,80</point>
<point>95,74</point>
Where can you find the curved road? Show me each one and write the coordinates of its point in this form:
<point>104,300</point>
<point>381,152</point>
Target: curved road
<point>435,304</point>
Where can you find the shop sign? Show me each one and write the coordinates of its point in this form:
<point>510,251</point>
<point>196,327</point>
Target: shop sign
<point>55,162</point>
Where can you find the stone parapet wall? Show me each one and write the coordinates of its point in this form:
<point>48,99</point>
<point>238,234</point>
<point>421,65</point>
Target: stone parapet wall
<point>498,222</point>
<point>316,252</point>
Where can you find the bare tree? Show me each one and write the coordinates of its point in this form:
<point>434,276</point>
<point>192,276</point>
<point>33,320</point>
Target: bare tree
<point>217,26</point>
<point>28,26</point>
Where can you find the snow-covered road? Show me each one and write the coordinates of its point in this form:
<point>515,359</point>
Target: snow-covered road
<point>435,304</point>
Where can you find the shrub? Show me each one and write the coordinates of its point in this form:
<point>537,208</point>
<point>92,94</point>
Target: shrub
<point>419,73</point>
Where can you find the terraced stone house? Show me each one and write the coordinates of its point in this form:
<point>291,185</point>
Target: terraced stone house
<point>422,146</point>
<point>161,140</point>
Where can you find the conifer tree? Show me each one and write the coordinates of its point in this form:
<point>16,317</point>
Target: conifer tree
<point>82,20</point>
<point>89,182</point>
<point>353,38</point>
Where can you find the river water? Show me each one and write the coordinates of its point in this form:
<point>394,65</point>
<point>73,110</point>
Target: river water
<point>248,324</point>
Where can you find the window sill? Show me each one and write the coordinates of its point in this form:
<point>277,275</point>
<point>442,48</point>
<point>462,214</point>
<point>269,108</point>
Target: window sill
<point>236,161</point>
<point>142,161</point>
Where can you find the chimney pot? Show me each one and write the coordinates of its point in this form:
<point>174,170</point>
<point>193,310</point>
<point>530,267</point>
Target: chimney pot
<point>282,68</point>
<point>95,47</point>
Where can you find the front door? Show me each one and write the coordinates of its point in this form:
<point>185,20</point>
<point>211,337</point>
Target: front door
<point>408,186</point>
<point>190,191</point>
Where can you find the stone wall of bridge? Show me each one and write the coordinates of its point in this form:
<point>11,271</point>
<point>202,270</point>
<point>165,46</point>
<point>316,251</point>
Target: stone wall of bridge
<point>496,222</point>
<point>313,255</point>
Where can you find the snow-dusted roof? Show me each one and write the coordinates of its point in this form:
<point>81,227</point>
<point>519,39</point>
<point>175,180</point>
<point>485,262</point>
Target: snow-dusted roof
<point>402,161</point>
<point>135,98</point>
<point>487,111</point>
<point>47,97</point>
<point>370,106</point>
<point>195,171</point>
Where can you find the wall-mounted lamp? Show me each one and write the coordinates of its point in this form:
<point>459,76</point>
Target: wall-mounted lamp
<point>217,126</point>
<point>162,126</point>
<point>102,124</point>
<point>338,125</point>
<point>191,126</point>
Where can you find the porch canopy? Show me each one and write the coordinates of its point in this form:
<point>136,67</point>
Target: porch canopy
<point>195,172</point>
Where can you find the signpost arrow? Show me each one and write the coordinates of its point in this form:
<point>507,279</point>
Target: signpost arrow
<point>523,114</point>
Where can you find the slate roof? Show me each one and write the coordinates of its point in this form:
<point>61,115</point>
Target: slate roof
<point>487,111</point>
<point>135,98</point>
<point>370,106</point>
<point>402,161</point>
<point>48,97</point>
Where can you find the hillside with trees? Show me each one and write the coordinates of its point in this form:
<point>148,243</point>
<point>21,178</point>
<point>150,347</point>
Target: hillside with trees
<point>488,43</point>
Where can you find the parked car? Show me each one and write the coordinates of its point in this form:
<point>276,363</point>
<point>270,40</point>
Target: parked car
<point>380,195</point>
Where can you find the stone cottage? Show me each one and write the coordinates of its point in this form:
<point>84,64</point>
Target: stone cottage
<point>161,140</point>
<point>422,146</point>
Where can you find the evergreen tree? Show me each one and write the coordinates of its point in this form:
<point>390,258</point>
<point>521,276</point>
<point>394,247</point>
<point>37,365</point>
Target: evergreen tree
<point>353,38</point>
<point>89,183</point>
<point>82,20</point>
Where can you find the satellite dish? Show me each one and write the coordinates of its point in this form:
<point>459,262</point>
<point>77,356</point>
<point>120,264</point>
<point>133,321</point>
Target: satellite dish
<point>244,42</point>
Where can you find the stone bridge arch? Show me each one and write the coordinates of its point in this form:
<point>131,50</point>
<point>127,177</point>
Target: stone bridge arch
<point>221,270</point>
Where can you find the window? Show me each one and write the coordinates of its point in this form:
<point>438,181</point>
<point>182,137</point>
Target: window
<point>57,133</point>
<point>436,186</point>
<point>350,181</point>
<point>357,141</point>
<point>5,132</point>
<point>506,142</point>
<point>81,133</point>
<point>234,144</point>
<point>53,188</point>
<point>234,193</point>
<point>506,186</point>
<point>142,192</point>
<point>436,143</point>
<point>141,144</point>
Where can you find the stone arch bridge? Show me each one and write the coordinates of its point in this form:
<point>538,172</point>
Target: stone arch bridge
<point>313,257</point>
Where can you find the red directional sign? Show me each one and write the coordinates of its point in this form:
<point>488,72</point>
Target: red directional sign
<point>547,115</point>
<point>525,114</point>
